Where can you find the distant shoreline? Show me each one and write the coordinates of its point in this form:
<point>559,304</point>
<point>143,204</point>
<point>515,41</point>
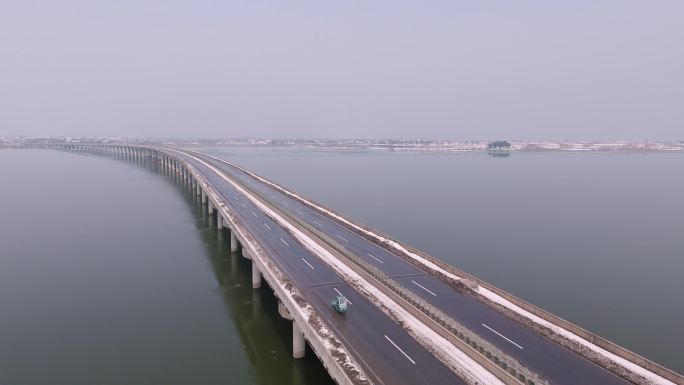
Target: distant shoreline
<point>441,146</point>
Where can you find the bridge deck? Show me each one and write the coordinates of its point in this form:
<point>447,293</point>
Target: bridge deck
<point>386,352</point>
<point>547,358</point>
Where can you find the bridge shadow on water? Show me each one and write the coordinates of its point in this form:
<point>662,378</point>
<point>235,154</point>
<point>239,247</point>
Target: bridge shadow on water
<point>266,337</point>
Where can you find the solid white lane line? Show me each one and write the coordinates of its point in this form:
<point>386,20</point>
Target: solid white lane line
<point>285,203</point>
<point>244,205</point>
<point>502,336</point>
<point>255,216</point>
<point>399,349</point>
<point>318,224</point>
<point>423,287</point>
<point>286,244</point>
<point>371,255</point>
<point>338,292</point>
<point>267,226</point>
<point>300,213</point>
<point>341,237</point>
<point>307,262</point>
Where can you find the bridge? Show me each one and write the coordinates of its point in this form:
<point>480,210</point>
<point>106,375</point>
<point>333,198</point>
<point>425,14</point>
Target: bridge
<point>412,320</point>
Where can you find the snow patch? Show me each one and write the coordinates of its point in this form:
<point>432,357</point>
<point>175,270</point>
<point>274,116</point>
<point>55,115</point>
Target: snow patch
<point>651,377</point>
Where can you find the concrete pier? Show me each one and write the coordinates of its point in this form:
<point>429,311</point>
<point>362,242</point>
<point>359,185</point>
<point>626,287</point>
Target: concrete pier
<point>233,242</point>
<point>282,310</point>
<point>210,208</point>
<point>256,276</point>
<point>204,198</point>
<point>219,222</point>
<point>298,344</point>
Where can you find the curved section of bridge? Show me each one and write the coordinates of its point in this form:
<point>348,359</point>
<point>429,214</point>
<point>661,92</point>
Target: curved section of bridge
<point>406,324</point>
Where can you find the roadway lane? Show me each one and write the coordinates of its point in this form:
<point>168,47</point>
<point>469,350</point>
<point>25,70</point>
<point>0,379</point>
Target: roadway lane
<point>547,358</point>
<point>403,353</point>
<point>385,351</point>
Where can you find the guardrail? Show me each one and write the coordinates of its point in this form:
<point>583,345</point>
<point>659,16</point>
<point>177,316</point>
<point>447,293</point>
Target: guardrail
<point>470,338</point>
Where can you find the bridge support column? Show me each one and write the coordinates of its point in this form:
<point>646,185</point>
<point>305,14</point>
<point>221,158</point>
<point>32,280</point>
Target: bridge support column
<point>210,208</point>
<point>199,189</point>
<point>219,221</point>
<point>256,276</point>
<point>246,254</point>
<point>298,344</point>
<point>233,242</point>
<point>204,197</point>
<point>282,310</point>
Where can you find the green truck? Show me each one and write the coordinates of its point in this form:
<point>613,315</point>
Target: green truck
<point>340,304</point>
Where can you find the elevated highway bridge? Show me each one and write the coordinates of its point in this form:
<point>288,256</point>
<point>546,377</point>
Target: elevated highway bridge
<point>412,318</point>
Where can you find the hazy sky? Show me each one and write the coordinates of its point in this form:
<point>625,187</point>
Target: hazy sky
<point>452,69</point>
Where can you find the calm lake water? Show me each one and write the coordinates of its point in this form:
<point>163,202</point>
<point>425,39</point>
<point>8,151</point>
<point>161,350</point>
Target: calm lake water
<point>110,274</point>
